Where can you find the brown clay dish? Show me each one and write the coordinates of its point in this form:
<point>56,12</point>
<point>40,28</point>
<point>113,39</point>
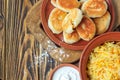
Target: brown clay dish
<point>60,66</point>
<point>110,36</point>
<point>47,7</point>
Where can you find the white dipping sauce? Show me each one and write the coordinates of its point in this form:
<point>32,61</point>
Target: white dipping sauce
<point>66,73</point>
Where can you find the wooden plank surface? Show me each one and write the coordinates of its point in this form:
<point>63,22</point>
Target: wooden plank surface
<point>22,56</point>
<point>2,35</point>
<point>21,47</point>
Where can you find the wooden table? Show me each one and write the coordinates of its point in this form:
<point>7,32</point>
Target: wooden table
<point>20,57</point>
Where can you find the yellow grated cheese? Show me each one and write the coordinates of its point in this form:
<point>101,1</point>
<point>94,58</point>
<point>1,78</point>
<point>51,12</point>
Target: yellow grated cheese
<point>104,62</point>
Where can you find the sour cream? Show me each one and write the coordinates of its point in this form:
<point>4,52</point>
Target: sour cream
<point>66,73</point>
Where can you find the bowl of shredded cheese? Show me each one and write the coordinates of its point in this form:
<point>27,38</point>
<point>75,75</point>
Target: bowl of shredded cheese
<point>100,59</point>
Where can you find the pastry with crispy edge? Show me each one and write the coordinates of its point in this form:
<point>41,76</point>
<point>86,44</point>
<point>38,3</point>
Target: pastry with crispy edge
<point>71,38</point>
<point>55,20</point>
<point>72,19</point>
<point>86,29</point>
<point>102,23</point>
<point>94,8</point>
<point>67,5</point>
<point>53,2</point>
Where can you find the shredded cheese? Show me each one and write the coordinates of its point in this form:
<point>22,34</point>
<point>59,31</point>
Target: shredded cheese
<point>104,62</point>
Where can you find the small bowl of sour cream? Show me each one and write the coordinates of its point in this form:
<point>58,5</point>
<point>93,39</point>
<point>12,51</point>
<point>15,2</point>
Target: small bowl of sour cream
<point>65,72</point>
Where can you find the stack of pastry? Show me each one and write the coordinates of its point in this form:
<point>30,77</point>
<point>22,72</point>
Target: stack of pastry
<point>79,19</point>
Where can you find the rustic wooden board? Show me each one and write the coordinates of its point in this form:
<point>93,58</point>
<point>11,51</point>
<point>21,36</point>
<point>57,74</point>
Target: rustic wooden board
<point>24,58</point>
<point>21,55</point>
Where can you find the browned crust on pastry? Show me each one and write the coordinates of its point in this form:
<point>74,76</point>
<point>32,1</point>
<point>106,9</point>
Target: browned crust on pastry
<point>55,20</point>
<point>94,8</point>
<point>86,29</point>
<point>102,23</point>
<point>67,5</point>
<point>71,38</point>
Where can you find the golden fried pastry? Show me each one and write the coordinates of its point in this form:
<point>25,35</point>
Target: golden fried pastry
<point>102,23</point>
<point>71,38</point>
<point>86,29</point>
<point>55,20</point>
<point>53,2</point>
<point>94,8</point>
<point>72,20</point>
<point>67,5</point>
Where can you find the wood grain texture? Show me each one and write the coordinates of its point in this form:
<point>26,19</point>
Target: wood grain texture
<point>1,50</point>
<point>25,58</point>
<point>22,56</point>
<point>32,23</point>
<point>117,11</point>
<point>2,35</point>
